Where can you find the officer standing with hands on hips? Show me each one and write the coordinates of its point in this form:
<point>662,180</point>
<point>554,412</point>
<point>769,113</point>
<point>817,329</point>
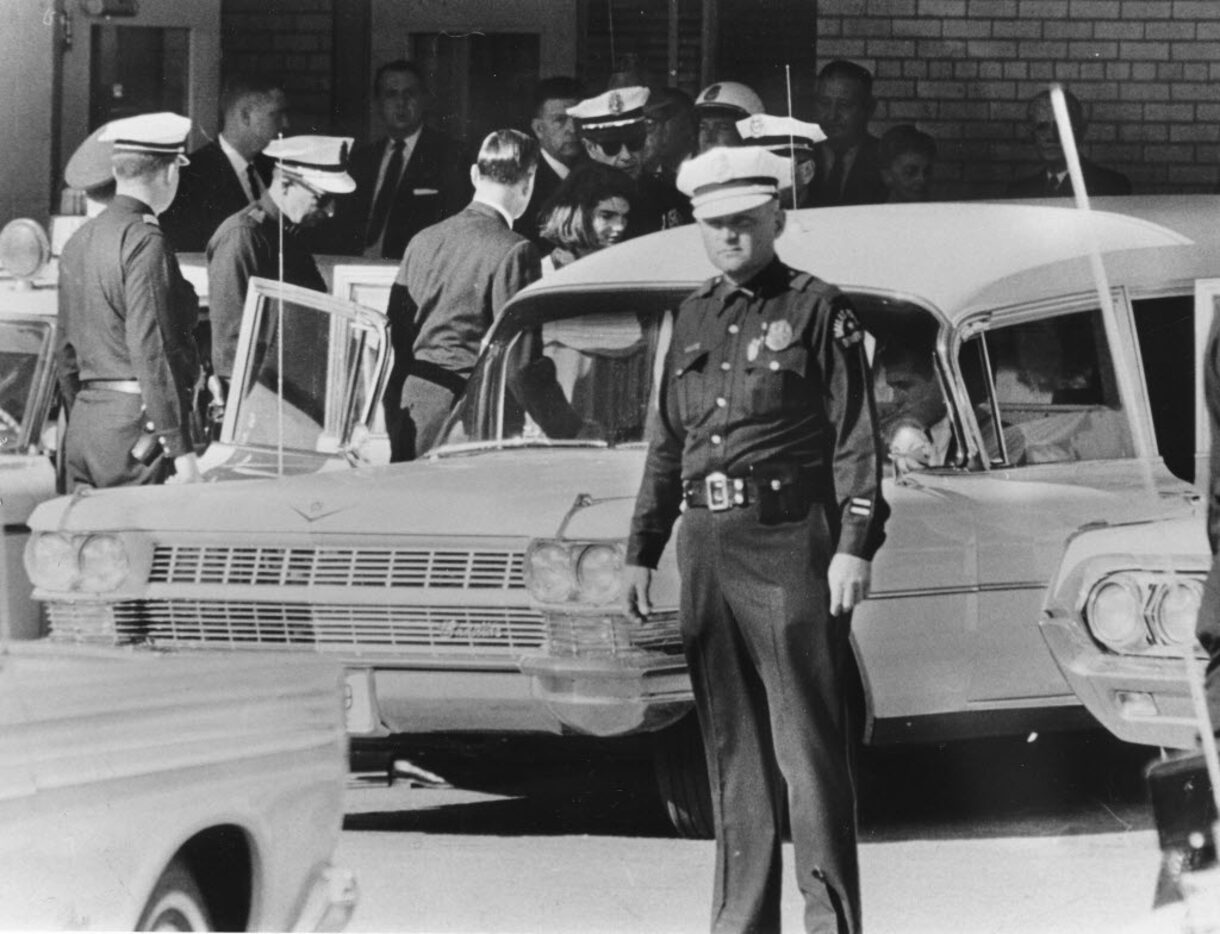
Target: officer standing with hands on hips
<point>127,317</point>
<point>766,432</point>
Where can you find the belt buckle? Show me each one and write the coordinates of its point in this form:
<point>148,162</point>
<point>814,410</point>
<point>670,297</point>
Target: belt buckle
<point>719,489</point>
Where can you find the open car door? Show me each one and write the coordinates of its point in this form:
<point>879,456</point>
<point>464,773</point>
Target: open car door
<point>307,381</point>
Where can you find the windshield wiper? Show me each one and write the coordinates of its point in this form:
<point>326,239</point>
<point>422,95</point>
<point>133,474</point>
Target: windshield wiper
<point>472,447</point>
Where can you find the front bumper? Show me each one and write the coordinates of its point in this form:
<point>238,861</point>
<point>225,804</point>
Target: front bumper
<point>612,695</point>
<point>1139,699</point>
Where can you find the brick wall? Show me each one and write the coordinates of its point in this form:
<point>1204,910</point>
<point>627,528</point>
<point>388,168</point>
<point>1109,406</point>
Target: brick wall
<point>292,39</point>
<point>962,70</point>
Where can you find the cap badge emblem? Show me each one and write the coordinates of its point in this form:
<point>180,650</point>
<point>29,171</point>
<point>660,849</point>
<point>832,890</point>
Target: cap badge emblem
<point>615,103</point>
<point>779,335</point>
<point>712,93</point>
<point>758,126</point>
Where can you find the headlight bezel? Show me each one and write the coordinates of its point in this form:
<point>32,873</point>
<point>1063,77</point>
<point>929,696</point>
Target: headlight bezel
<point>1122,584</point>
<point>599,585</point>
<point>1161,629</point>
<point>579,574</point>
<point>76,567</point>
<point>1151,586</point>
<point>114,570</point>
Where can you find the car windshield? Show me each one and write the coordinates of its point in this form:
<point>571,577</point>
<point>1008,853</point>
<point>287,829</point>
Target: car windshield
<point>581,368</point>
<point>24,348</point>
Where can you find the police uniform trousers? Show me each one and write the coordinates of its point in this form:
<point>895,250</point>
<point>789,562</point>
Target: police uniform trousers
<point>103,427</point>
<point>767,665</point>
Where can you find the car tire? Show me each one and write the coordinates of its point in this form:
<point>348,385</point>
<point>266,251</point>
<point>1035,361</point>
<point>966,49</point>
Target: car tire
<point>176,903</point>
<point>680,768</point>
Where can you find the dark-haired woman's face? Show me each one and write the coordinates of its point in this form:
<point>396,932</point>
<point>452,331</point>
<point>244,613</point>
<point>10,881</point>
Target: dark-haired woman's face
<point>610,221</point>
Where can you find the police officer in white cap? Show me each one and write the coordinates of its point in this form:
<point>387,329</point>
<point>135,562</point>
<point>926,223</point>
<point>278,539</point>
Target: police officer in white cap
<point>792,139</point>
<point>718,108</point>
<point>310,171</point>
<point>766,432</point>
<point>612,126</point>
<point>127,321</point>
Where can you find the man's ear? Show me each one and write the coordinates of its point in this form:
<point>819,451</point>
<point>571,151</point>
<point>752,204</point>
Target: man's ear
<point>781,219</point>
<point>474,175</point>
<point>588,144</point>
<point>536,128</point>
<point>804,171</point>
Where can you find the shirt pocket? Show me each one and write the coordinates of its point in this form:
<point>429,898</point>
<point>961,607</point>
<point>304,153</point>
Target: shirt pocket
<point>778,380</point>
<point>690,382</point>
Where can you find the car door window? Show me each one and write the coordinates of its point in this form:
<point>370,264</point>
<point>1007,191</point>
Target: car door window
<point>24,351</point>
<point>1044,391</point>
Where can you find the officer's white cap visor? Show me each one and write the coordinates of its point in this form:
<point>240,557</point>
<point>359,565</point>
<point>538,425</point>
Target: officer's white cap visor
<point>337,183</point>
<point>726,201</point>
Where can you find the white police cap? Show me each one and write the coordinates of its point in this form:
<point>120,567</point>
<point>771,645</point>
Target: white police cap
<point>320,161</point>
<point>731,179</point>
<point>90,166</point>
<point>616,109</point>
<point>162,134</point>
<point>729,95</point>
<point>781,135</point>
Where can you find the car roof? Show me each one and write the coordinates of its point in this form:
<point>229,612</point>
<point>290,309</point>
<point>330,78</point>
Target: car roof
<point>954,257</point>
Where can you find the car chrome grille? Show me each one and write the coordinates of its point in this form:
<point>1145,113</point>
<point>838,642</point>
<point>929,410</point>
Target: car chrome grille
<point>612,635</point>
<point>341,567</point>
<point>434,630</point>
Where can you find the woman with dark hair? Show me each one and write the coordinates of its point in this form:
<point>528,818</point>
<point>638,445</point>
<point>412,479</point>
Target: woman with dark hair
<point>589,211</point>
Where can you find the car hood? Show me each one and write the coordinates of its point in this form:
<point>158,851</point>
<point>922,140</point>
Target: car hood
<point>523,493</point>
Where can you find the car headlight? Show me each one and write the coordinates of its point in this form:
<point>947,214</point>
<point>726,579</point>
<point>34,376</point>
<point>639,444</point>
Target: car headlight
<point>548,573</point>
<point>1176,611</point>
<point>103,564</point>
<point>599,574</point>
<point>52,561</point>
<point>1115,613</point>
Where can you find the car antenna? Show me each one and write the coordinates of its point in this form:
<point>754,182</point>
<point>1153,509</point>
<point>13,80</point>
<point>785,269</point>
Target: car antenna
<point>1128,362</point>
<point>279,327</point>
<point>791,134</point>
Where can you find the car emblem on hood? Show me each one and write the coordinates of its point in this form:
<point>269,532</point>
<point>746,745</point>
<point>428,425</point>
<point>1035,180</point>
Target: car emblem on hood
<point>314,511</point>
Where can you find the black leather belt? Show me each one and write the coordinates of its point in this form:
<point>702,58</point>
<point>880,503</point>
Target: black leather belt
<point>718,491</point>
<point>129,386</point>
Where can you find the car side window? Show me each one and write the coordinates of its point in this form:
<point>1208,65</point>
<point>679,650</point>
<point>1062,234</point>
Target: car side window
<point>1044,391</point>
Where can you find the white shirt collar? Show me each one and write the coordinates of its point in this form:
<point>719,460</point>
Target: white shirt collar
<point>560,169</point>
<point>499,207</point>
<point>239,163</point>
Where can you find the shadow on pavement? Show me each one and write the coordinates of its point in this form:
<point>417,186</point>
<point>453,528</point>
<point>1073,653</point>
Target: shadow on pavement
<point>1055,785</point>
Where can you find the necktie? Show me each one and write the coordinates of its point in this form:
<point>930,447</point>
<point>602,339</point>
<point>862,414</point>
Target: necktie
<point>385,194</point>
<point>256,185</point>
<point>834,180</point>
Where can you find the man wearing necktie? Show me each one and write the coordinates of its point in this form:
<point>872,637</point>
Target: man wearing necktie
<point>409,180</point>
<point>230,172</point>
<point>848,170</point>
<point>1052,179</point>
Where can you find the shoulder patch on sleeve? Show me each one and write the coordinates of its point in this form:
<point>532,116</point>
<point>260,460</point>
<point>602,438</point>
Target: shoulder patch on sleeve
<point>845,325</point>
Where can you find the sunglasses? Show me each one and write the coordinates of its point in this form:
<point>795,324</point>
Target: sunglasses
<point>613,147</point>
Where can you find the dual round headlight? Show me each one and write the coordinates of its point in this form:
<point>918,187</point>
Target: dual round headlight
<point>573,572</point>
<point>92,563</point>
<point>1132,611</point>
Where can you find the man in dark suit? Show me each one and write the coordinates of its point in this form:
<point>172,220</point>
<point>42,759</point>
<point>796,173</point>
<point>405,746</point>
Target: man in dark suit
<point>560,146</point>
<point>409,180</point>
<point>454,279</point>
<point>848,171</point>
<point>1052,179</point>
<point>230,172</point>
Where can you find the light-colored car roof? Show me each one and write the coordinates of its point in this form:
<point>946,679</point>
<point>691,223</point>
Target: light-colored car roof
<point>954,257</point>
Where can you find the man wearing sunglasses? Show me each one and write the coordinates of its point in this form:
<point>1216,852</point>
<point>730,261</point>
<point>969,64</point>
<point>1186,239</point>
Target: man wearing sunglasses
<point>309,172</point>
<point>613,129</point>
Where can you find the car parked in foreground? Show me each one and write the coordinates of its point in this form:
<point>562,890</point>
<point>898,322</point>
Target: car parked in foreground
<point>477,591</point>
<point>144,790</point>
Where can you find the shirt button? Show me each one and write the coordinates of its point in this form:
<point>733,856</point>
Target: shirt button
<point>733,329</point>
<point>774,364</point>
<point>721,402</point>
<point>726,366</point>
<point>716,439</point>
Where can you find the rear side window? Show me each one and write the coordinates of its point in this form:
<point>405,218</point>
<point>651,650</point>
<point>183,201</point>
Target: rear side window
<point>1043,391</point>
<point>1167,338</point>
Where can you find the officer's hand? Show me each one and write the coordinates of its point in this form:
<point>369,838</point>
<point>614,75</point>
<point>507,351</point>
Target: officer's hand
<point>636,602</point>
<point>186,469</point>
<point>849,579</point>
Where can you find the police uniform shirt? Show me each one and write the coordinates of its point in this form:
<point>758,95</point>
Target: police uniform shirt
<point>248,244</point>
<point>767,373</point>
<point>125,312</point>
